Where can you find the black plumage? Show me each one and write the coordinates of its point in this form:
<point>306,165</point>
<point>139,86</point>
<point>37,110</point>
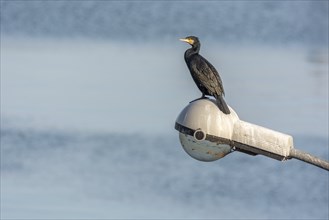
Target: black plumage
<point>204,74</point>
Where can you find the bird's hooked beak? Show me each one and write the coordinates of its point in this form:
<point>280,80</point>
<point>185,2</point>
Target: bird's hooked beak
<point>187,40</point>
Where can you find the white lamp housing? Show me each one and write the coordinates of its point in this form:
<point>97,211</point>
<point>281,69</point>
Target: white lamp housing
<point>207,134</point>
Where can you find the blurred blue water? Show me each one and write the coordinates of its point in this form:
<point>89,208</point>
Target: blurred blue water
<point>225,21</point>
<point>50,174</point>
<point>141,88</point>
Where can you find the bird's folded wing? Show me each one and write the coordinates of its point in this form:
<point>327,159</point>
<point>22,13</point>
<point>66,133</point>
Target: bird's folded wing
<point>208,76</point>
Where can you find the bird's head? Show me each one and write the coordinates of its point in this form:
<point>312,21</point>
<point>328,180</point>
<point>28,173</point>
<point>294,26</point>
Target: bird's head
<point>192,40</point>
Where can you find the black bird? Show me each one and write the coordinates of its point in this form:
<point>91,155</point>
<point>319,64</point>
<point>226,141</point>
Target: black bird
<point>204,74</point>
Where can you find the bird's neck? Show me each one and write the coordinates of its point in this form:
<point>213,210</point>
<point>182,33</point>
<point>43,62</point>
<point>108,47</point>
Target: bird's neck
<point>192,51</point>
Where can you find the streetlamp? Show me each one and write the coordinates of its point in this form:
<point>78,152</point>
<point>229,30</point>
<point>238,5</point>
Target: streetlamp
<point>207,134</point>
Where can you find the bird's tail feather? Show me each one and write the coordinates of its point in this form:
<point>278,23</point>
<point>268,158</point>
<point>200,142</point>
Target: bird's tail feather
<point>222,105</point>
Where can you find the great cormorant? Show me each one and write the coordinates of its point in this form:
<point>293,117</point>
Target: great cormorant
<point>204,74</point>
